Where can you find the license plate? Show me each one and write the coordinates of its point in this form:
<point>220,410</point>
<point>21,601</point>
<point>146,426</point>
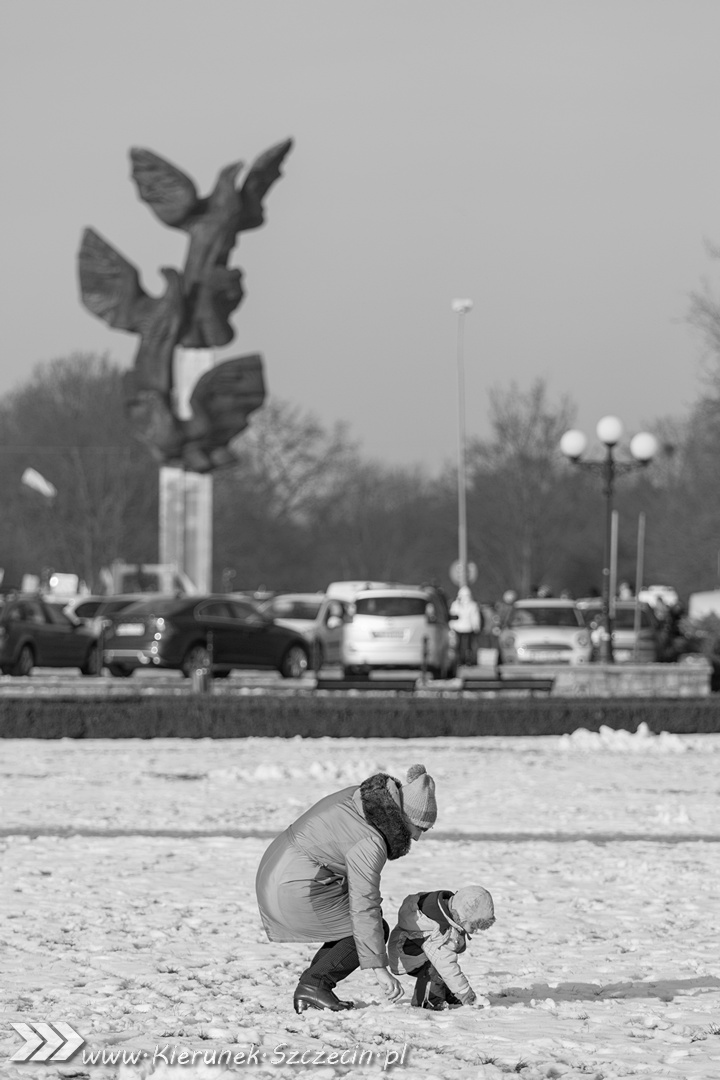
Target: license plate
<point>546,654</point>
<point>395,635</point>
<point>130,629</point>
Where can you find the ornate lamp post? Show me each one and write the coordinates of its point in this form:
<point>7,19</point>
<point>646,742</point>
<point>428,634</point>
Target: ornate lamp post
<point>461,309</point>
<point>643,448</point>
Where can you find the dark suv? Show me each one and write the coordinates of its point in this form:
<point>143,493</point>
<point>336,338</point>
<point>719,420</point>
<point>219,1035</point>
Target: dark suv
<point>35,632</point>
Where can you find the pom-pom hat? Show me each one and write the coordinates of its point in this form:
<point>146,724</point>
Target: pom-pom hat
<point>418,798</point>
<point>473,908</point>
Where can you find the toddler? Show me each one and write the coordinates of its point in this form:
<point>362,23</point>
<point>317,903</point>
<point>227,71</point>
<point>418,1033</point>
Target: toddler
<point>431,932</point>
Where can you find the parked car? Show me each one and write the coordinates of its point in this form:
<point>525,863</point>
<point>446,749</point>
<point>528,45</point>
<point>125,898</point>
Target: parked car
<point>399,627</point>
<point>215,633</point>
<point>544,631</point>
<point>35,632</point>
<point>318,617</point>
<point>643,648</point>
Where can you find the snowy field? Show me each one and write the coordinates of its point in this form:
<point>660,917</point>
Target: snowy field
<point>128,908</point>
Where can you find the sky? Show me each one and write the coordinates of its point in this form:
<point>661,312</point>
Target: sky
<point>557,162</point>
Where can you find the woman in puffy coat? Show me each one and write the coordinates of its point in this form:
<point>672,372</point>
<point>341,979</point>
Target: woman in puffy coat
<point>320,880</point>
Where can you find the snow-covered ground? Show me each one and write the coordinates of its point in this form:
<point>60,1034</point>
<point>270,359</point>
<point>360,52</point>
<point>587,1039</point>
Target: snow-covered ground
<point>128,907</point>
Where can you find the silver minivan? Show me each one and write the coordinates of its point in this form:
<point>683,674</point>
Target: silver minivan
<point>399,627</point>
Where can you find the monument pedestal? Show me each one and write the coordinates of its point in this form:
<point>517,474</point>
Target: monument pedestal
<point>186,524</point>
<point>186,497</point>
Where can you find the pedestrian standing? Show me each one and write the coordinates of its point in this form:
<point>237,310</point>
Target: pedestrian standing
<point>466,621</point>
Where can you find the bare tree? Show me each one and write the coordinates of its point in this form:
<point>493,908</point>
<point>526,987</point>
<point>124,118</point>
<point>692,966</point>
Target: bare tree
<point>516,508</point>
<point>67,422</point>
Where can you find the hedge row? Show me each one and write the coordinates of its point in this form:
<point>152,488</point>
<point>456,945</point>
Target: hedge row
<point>196,717</point>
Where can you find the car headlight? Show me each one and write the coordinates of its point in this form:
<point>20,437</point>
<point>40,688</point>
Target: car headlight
<point>583,639</point>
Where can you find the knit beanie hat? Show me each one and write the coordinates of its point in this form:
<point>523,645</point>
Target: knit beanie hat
<point>472,905</point>
<point>418,798</point>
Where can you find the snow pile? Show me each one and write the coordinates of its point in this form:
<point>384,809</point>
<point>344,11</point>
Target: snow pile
<point>642,741</point>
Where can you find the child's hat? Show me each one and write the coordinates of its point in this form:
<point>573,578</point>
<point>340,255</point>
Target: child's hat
<point>418,797</point>
<point>471,906</point>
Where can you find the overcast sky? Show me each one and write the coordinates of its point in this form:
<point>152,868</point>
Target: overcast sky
<point>556,161</point>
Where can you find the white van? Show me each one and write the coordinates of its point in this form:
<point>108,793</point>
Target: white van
<point>399,626</point>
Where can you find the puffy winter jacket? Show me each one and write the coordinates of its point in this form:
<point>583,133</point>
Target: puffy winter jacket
<point>320,879</point>
<point>440,940</point>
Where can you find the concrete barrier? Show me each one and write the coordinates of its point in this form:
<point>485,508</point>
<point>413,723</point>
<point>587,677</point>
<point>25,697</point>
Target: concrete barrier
<point>634,680</point>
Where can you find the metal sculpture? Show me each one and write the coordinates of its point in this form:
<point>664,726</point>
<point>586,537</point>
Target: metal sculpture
<point>193,312</point>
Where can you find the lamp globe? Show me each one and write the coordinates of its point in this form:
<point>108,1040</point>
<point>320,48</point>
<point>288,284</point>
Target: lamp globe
<point>573,444</point>
<point>644,446</point>
<point>609,430</point>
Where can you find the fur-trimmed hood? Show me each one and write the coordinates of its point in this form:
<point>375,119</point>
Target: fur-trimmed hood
<point>383,812</point>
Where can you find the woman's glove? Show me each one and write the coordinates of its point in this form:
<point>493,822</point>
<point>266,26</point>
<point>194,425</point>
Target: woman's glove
<point>389,985</point>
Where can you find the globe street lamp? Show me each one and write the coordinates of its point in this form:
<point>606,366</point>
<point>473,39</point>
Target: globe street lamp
<point>461,309</point>
<point>643,448</point>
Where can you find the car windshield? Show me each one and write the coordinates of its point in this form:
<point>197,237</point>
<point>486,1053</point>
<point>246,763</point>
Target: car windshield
<point>280,608</point>
<point>391,606</point>
<point>545,616</point>
<point>108,606</point>
<point>160,606</point>
<point>624,618</point>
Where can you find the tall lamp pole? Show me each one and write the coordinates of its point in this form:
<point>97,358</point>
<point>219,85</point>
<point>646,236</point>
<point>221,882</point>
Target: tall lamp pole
<point>461,309</point>
<point>643,448</point>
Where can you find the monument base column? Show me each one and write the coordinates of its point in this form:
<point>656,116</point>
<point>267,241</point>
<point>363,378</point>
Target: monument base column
<point>186,497</point>
<point>186,524</point>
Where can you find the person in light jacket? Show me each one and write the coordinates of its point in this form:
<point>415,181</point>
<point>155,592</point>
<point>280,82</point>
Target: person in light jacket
<point>466,621</point>
<point>320,880</point>
<point>431,932</point>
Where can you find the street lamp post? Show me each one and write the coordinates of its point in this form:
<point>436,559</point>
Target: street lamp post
<point>643,448</point>
<point>461,309</point>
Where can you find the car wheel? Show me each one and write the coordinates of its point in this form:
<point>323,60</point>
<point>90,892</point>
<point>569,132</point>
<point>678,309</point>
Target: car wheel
<point>25,662</point>
<point>222,674</point>
<point>294,663</point>
<point>93,664</point>
<point>197,658</point>
<point>119,672</point>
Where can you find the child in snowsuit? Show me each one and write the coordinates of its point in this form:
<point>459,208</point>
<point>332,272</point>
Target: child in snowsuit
<point>431,932</point>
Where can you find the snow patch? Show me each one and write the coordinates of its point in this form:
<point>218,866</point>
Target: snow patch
<point>620,741</point>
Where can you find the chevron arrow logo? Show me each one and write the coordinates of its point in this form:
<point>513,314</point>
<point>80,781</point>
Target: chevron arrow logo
<point>47,1042</point>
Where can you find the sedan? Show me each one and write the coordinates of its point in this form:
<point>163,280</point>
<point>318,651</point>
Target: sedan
<point>209,633</point>
<point>35,632</point>
<point>544,632</point>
